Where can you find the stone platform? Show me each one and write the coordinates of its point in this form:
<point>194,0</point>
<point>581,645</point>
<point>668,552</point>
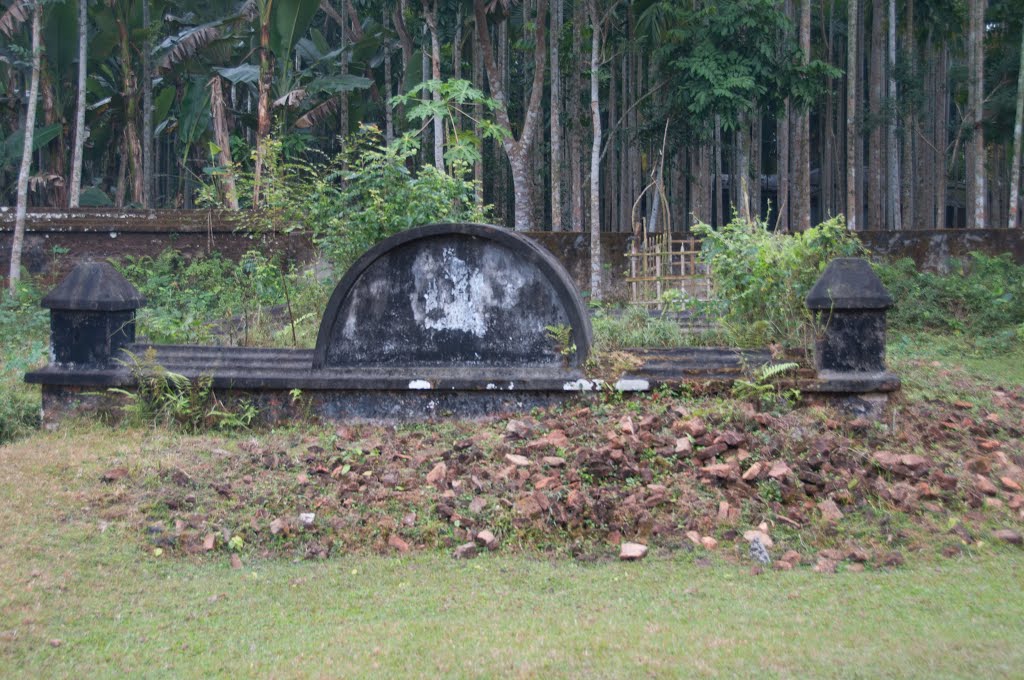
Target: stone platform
<point>462,320</point>
<point>267,377</point>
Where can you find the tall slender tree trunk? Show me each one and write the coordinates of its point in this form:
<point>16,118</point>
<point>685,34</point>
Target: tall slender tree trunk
<point>802,176</point>
<point>147,110</point>
<point>908,167</point>
<point>876,216</point>
<point>783,168</point>
<point>719,198</point>
<point>893,186</point>
<point>941,142</point>
<point>575,118</point>
<point>76,156</point>
<point>784,137</point>
<point>659,190</point>
<point>613,191</point>
<point>625,170</point>
<point>596,292</point>
<point>740,174</point>
<point>755,164</point>
<point>702,201</point>
<point>517,150</point>
<point>478,112</point>
<point>828,138</point>
<point>389,89</point>
<point>26,153</point>
<point>975,106</point>
<point>343,68</point>
<point>859,160</point>
<point>504,169</point>
<point>131,112</point>
<point>430,15</point>
<point>556,119</point>
<point>222,138</point>
<point>266,78</point>
<point>1018,133</point>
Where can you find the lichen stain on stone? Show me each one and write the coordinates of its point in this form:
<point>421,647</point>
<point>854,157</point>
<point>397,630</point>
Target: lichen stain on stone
<point>449,294</point>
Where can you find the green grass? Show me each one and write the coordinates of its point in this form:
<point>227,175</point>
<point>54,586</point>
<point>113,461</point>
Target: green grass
<point>431,616</point>
<point>116,609</point>
<point>1004,365</point>
<point>84,596</point>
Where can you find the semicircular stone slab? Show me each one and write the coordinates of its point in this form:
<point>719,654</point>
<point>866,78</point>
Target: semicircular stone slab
<point>458,295</point>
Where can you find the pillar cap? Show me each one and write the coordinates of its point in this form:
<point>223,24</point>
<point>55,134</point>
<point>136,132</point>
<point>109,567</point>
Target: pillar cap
<point>849,283</point>
<point>94,287</point>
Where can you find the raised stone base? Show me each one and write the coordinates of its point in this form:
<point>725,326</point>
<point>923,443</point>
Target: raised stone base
<point>857,394</point>
<point>871,405</point>
<point>278,406</point>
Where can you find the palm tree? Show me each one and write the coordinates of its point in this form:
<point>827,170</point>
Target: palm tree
<point>76,156</point>
<point>26,154</point>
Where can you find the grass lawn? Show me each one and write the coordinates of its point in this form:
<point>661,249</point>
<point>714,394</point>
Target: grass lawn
<point>86,599</point>
<point>82,593</point>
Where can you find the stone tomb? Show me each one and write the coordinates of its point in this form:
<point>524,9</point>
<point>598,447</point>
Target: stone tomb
<point>449,319</point>
<point>454,295</point>
<point>442,319</point>
<point>850,302</point>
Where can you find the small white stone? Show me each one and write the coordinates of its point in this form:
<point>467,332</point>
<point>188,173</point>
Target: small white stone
<point>632,551</point>
<point>581,385</point>
<point>632,385</point>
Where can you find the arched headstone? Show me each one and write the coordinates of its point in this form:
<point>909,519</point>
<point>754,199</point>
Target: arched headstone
<point>454,295</point>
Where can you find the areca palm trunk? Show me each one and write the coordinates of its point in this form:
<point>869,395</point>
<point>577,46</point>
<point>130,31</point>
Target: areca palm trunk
<point>975,105</point>
<point>556,124</point>
<point>1018,133</point>
<point>26,153</point>
<point>147,112</point>
<point>802,176</point>
<point>893,209</point>
<point>263,104</point>
<point>595,154</point>
<point>131,114</point>
<point>852,80</point>
<point>74,198</point>
<point>430,15</point>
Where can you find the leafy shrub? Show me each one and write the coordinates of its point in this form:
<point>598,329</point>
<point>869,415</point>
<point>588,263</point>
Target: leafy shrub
<point>19,411</point>
<point>760,278</point>
<point>982,297</point>
<point>362,195</point>
<point>24,327</point>
<point>194,300</point>
<point>380,197</point>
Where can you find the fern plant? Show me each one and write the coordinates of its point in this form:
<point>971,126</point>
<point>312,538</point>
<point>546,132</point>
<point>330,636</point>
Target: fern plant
<point>167,398</point>
<point>762,387</point>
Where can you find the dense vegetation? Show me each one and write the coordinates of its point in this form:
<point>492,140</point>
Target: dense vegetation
<point>980,302</point>
<point>708,101</point>
<point>24,326</point>
<point>761,279</point>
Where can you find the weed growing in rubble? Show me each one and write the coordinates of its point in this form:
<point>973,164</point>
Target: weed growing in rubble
<point>164,397</point>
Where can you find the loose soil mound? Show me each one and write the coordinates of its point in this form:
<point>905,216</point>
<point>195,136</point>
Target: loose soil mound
<point>669,471</point>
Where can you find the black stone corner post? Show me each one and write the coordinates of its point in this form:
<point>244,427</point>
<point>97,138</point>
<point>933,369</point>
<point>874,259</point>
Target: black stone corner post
<point>92,316</point>
<point>850,304</point>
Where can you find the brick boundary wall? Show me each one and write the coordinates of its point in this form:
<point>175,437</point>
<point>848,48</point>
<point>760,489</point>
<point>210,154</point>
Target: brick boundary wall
<point>56,239</point>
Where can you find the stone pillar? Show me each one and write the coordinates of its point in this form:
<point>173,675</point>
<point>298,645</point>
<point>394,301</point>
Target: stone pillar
<point>850,304</point>
<point>92,316</point>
